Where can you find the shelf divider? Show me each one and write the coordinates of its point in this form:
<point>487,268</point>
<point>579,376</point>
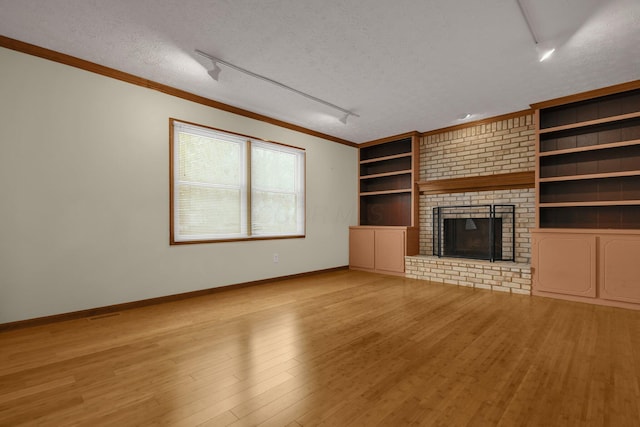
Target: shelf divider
<point>378,193</point>
<point>594,203</point>
<point>590,176</point>
<point>380,159</point>
<point>590,123</point>
<point>382,175</point>
<point>629,143</point>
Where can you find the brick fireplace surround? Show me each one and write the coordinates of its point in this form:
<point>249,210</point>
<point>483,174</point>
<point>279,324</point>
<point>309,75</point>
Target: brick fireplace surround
<point>503,145</point>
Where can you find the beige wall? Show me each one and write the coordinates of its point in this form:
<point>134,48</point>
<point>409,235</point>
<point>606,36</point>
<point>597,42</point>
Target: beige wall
<point>84,196</point>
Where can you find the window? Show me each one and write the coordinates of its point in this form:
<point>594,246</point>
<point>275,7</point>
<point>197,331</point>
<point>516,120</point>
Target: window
<point>226,186</point>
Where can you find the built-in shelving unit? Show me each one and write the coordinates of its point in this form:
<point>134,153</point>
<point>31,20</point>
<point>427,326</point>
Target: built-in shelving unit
<point>388,230</point>
<point>587,241</point>
<point>589,163</point>
<point>388,171</point>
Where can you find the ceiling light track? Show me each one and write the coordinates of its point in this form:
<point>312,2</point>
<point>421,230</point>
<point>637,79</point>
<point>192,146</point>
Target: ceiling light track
<point>543,53</point>
<point>525,15</point>
<point>215,71</point>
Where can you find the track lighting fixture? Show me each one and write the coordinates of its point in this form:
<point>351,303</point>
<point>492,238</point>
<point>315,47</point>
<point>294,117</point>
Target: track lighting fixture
<point>544,52</point>
<point>344,118</point>
<point>215,72</point>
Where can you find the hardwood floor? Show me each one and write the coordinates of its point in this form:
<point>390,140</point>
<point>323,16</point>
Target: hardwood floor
<point>337,349</point>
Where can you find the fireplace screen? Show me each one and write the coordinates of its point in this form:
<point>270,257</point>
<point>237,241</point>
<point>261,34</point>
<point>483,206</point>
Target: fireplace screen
<point>476,232</point>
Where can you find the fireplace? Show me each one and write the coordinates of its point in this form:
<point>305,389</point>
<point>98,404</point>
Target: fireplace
<point>477,232</point>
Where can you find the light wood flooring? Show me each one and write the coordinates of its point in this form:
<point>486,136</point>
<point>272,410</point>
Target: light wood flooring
<point>343,348</point>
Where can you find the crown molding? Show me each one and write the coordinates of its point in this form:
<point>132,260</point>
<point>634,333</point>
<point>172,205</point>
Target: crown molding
<point>583,96</point>
<point>92,67</point>
<point>479,122</point>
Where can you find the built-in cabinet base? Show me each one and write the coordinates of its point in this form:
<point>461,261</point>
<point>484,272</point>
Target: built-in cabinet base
<point>596,266</point>
<point>381,249</point>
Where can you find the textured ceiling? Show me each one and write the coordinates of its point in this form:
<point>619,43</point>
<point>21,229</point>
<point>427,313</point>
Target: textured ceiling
<point>401,65</point>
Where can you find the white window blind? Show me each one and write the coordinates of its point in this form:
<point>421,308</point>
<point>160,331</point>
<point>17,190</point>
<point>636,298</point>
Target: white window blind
<point>277,193</point>
<point>213,197</point>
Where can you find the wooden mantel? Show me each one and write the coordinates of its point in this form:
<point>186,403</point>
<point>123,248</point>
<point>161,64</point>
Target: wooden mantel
<point>503,181</point>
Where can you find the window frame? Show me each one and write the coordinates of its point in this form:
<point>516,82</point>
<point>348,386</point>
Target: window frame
<point>173,238</point>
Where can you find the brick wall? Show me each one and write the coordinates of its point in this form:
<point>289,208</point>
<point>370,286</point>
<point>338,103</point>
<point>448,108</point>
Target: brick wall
<point>525,215</point>
<point>501,146</point>
<point>498,147</point>
<point>496,276</point>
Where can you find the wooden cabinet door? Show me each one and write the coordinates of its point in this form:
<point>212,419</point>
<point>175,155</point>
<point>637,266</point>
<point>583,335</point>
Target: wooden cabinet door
<point>361,248</point>
<point>620,268</point>
<point>564,263</point>
<point>389,250</point>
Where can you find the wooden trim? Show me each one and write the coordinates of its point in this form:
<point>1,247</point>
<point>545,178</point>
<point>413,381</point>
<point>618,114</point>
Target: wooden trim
<point>304,183</point>
<point>590,176</point>
<point>92,67</point>
<point>382,159</point>
<point>382,175</point>
<point>415,176</point>
<point>248,142</point>
<point>586,300</point>
<point>593,203</point>
<point>380,193</point>
<point>583,96</point>
<point>590,123</point>
<point>239,239</point>
<point>595,231</point>
<point>103,311</point>
<point>390,139</point>
<point>504,181</point>
<point>171,179</point>
<point>536,119</point>
<point>488,120</point>
<point>596,147</point>
<point>380,227</point>
<point>248,186</point>
<point>243,135</point>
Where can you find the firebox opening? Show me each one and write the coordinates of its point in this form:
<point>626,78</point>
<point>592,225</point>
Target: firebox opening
<point>484,232</point>
<point>471,238</point>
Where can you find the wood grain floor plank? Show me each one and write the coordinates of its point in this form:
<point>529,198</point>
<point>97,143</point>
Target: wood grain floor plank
<point>335,349</point>
<point>213,409</point>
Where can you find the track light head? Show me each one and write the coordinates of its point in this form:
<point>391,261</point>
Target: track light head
<point>545,54</point>
<point>344,118</point>
<point>214,72</point>
<point>544,50</point>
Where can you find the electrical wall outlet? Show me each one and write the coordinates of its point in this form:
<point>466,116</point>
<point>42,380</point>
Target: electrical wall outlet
<point>276,258</point>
